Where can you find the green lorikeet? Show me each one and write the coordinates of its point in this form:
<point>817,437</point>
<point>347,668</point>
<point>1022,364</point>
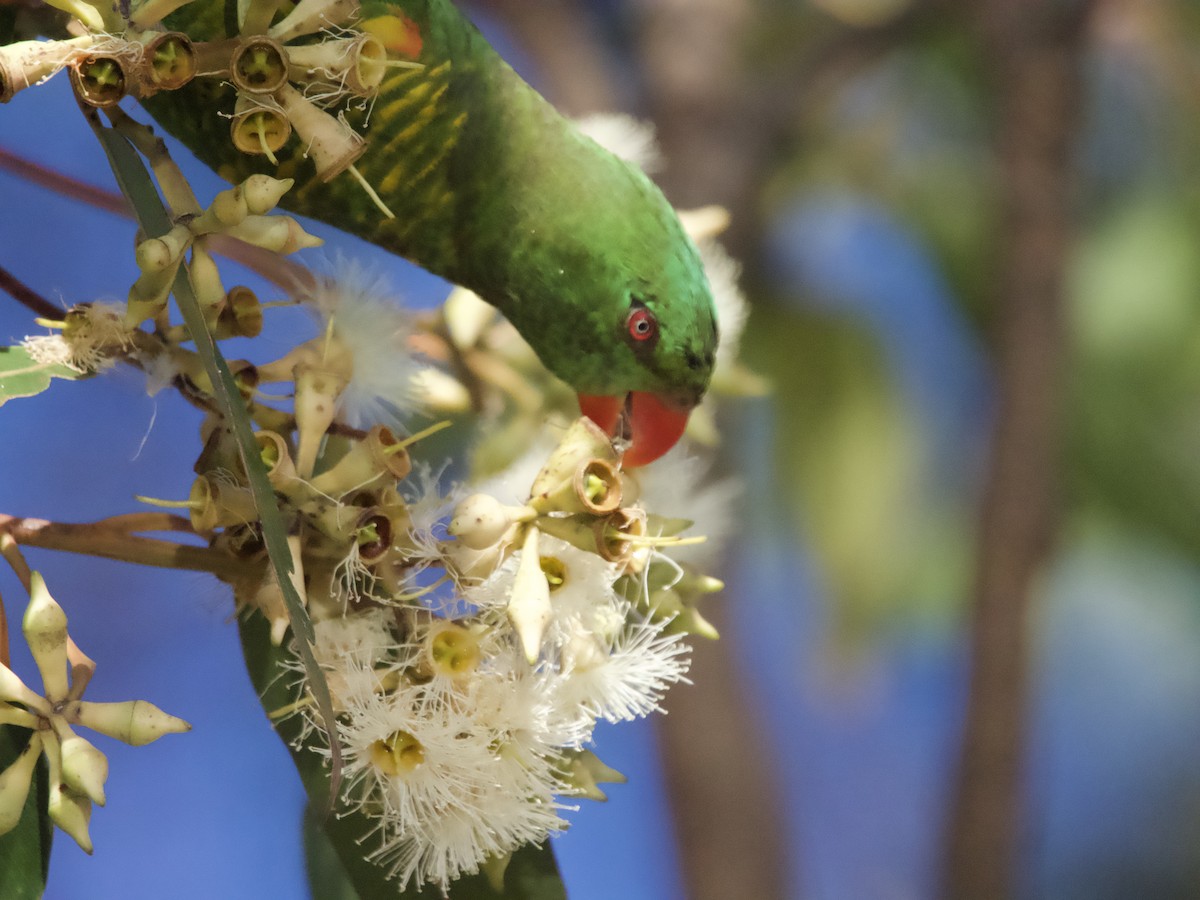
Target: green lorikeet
<point>494,190</point>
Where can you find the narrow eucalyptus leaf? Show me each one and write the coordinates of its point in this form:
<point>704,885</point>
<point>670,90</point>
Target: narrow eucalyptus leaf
<point>25,851</point>
<point>138,188</point>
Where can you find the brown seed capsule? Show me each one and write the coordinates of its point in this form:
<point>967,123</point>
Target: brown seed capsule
<point>259,66</point>
<point>170,61</point>
<point>100,80</point>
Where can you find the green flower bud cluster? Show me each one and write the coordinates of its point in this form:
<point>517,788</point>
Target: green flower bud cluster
<point>77,769</point>
<point>241,213</point>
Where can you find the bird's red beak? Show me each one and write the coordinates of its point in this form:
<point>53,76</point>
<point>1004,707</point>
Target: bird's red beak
<point>654,425</point>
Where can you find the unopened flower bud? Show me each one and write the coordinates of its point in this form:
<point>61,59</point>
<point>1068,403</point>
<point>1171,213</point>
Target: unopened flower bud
<point>279,234</point>
<point>45,628</point>
<point>161,254</point>
<point>467,316</point>
<point>135,722</point>
<point>262,192</point>
<point>481,521</point>
<point>310,16</point>
<point>529,607</point>
<point>317,392</point>
<point>71,812</point>
<point>14,690</point>
<point>439,393</point>
<point>15,782</point>
<point>84,768</point>
<point>585,770</point>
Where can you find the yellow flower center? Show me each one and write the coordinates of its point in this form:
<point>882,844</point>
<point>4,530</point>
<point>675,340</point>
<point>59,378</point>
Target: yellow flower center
<point>398,754</point>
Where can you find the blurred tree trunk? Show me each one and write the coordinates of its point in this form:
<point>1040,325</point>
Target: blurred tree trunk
<point>1034,54</point>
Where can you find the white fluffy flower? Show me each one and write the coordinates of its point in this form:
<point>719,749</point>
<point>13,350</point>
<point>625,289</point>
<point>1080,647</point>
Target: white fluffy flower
<point>362,310</point>
<point>624,676</point>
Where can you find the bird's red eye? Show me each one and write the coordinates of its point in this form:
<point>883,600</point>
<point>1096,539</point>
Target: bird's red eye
<point>641,324</point>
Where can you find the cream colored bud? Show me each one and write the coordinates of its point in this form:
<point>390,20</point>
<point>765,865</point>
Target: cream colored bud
<point>161,254</point>
<point>206,281</point>
<point>14,690</point>
<point>438,392</point>
<point>585,771</point>
<point>87,13</point>
<point>279,234</point>
<point>467,317</point>
<point>529,607</point>
<point>262,192</point>
<point>689,621</point>
<point>135,722</point>
<point>481,521</point>
<point>311,16</point>
<point>84,768</point>
<point>45,628</point>
<point>15,782</point>
<point>317,392</point>
<point>227,209</point>
<point>150,11</point>
<point>71,812</point>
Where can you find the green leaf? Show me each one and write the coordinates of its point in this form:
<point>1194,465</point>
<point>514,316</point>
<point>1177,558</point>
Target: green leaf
<point>335,846</point>
<point>137,187</point>
<point>25,851</point>
<point>23,376</point>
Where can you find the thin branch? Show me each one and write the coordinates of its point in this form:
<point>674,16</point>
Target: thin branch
<point>101,539</point>
<point>5,656</point>
<point>27,296</point>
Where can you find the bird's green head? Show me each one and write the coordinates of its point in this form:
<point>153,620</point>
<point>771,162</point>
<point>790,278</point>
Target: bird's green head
<point>593,267</point>
<point>637,335</point>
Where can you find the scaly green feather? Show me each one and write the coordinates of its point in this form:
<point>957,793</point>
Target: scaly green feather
<point>494,190</point>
